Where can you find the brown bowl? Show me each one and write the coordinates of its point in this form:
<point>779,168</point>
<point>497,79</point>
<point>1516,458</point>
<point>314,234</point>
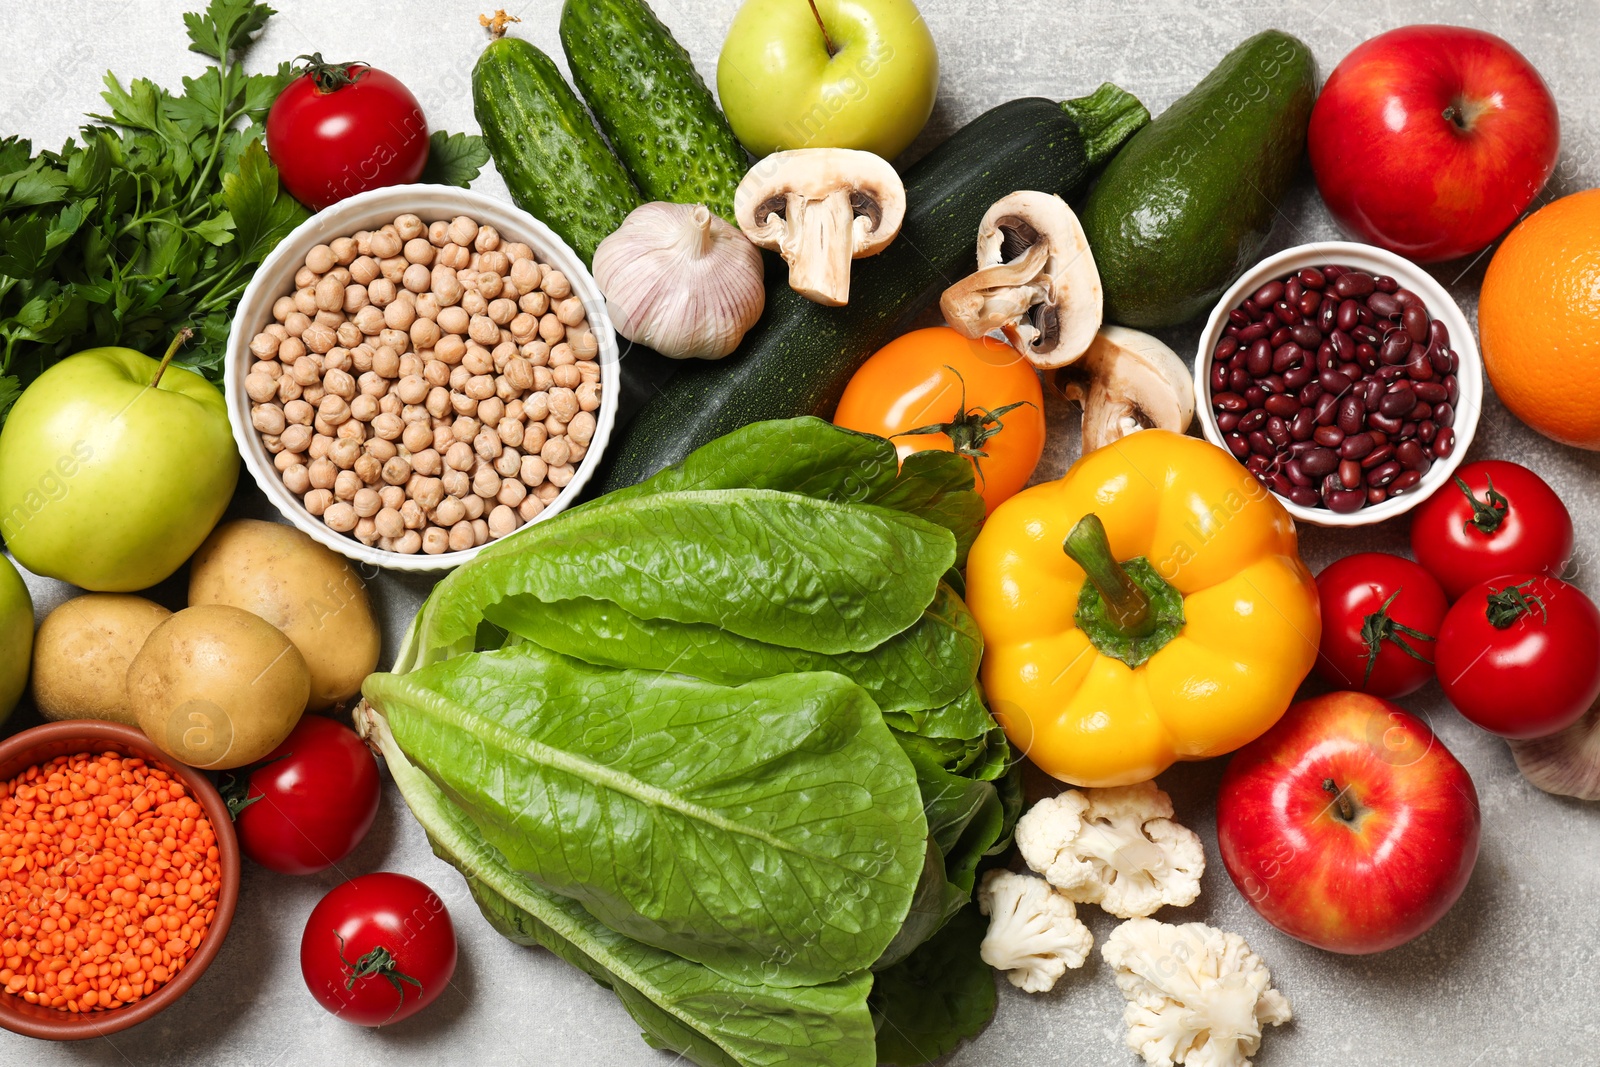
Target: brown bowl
<point>43,743</point>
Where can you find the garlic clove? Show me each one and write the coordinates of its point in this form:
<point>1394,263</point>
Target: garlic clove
<point>681,280</point>
<point>1565,763</point>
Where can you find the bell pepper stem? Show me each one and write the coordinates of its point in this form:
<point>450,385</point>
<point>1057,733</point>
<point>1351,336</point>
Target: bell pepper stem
<point>1128,605</point>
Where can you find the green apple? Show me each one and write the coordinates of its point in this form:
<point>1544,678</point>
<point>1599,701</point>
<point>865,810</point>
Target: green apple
<point>833,74</point>
<point>113,469</point>
<point>16,636</point>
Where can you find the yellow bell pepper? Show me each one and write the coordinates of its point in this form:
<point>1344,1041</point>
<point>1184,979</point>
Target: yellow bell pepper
<point>1186,638</point>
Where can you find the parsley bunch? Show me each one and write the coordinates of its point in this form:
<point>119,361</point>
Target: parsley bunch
<point>157,216</point>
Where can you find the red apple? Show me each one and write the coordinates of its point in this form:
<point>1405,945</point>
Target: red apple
<point>1432,140</point>
<point>1348,825</point>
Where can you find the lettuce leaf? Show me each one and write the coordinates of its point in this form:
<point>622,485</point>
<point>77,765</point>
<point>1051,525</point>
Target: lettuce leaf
<point>943,994</point>
<point>681,1005</point>
<point>705,820</point>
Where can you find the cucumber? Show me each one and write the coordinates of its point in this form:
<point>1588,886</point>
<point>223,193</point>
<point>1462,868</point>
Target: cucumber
<point>1187,206</point>
<point>554,162</point>
<point>798,358</point>
<point>652,104</point>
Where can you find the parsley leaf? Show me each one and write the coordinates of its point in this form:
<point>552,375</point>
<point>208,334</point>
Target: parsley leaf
<point>454,158</point>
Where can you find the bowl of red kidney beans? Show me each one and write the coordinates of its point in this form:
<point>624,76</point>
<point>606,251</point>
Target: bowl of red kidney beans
<point>1344,378</point>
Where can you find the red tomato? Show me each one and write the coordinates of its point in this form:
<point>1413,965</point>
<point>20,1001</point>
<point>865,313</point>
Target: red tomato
<point>311,802</point>
<point>1520,656</point>
<point>1499,518</point>
<point>378,949</point>
<point>934,389</point>
<point>1379,617</point>
<point>341,129</point>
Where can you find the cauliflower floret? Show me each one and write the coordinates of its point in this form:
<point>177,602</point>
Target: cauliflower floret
<point>1117,848</point>
<point>1196,995</point>
<point>1034,933</point>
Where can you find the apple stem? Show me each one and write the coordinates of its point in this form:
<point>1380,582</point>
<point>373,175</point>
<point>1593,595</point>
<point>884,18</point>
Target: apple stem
<point>172,350</point>
<point>1347,810</point>
<point>826,40</point>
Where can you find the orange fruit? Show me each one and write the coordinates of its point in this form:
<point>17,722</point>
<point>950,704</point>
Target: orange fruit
<point>1539,320</point>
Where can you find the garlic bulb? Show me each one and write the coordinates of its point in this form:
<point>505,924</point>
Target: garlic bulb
<point>681,280</point>
<point>1567,763</point>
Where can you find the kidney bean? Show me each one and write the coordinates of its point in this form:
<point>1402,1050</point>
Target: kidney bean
<point>1259,444</point>
<point>1405,482</point>
<point>1281,336</point>
<point>1425,431</point>
<point>1354,283</point>
<point>1383,474</point>
<point>1328,436</point>
<point>1280,483</point>
<point>1268,294</point>
<point>1432,392</point>
<point>1333,381</point>
<point>1381,454</point>
<point>1328,408</point>
<point>1347,315</point>
<point>1255,395</point>
<point>1258,360</point>
<point>1304,496</point>
<point>1412,456</point>
<point>1408,429</point>
<point>1256,464</point>
<point>1444,415</point>
<point>1365,317</point>
<point>1385,284</point>
<point>1282,405</point>
<point>1311,278</point>
<point>1229,402</point>
<point>1296,473</point>
<point>1272,383</point>
<point>1343,502</point>
<point>1399,400</point>
<point>1293,289</point>
<point>1351,413</point>
<point>1451,389</point>
<point>1219,377</point>
<point>1297,377</point>
<point>1254,332</point>
<point>1225,349</point>
<point>1310,303</point>
<point>1384,305</point>
<point>1227,422</point>
<point>1278,432</point>
<point>1415,321</point>
<point>1310,392</point>
<point>1349,473</point>
<point>1342,345</point>
<point>1444,443</point>
<point>1419,370</point>
<point>1285,356</point>
<point>1239,380</point>
<point>1237,445</point>
<point>1371,392</point>
<point>1355,446</point>
<point>1383,422</point>
<point>1252,420</point>
<point>1303,425</point>
<point>1239,317</point>
<point>1396,347</point>
<point>1319,461</point>
<point>1423,410</point>
<point>1443,360</point>
<point>1328,314</point>
<point>1438,334</point>
<point>1288,315</point>
<point>1406,297</point>
<point>1366,335</point>
<point>1307,336</point>
<point>1367,356</point>
<point>1230,330</point>
<point>1376,494</point>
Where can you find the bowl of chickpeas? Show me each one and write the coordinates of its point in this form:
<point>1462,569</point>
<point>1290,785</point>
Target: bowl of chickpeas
<point>418,371</point>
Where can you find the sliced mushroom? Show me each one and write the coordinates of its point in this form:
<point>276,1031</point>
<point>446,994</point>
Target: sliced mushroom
<point>1127,381</point>
<point>1036,281</point>
<point>820,208</point>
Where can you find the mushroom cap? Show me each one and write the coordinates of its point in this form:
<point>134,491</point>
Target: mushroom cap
<point>877,195</point>
<point>1128,381</point>
<point>1036,281</point>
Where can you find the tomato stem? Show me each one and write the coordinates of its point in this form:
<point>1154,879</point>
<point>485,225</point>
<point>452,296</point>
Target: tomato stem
<point>1508,605</point>
<point>1341,801</point>
<point>379,963</point>
<point>1379,627</point>
<point>330,77</point>
<point>969,430</point>
<point>1488,513</point>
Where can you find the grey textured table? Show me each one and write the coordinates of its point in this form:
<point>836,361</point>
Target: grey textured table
<point>1510,976</point>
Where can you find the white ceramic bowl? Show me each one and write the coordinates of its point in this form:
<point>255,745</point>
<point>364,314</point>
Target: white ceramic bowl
<point>275,277</point>
<point>1469,373</point>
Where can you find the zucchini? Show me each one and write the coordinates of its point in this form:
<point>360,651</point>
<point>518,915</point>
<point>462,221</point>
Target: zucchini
<point>652,104</point>
<point>798,358</point>
<point>554,162</point>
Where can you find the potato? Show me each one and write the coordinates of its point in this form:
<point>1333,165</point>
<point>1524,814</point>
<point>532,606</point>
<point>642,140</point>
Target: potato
<point>310,593</point>
<point>217,687</point>
<point>82,652</point>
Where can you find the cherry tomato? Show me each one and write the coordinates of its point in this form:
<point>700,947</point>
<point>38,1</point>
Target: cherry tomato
<point>343,128</point>
<point>934,389</point>
<point>1520,655</point>
<point>1497,518</point>
<point>309,804</point>
<point>378,949</point>
<point>1379,617</point>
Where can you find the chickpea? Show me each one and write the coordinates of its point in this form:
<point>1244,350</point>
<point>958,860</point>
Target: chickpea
<point>463,405</point>
<point>260,387</point>
<point>339,383</point>
<point>369,320</point>
<point>329,294</point>
<point>480,532</point>
<point>297,479</point>
<point>267,418</point>
<point>264,345</point>
<point>503,521</point>
<point>457,483</point>
<point>413,515</point>
<point>454,320</point>
<point>474,303</point>
<point>461,536</point>
<point>305,300</point>
<point>460,457</point>
<point>589,371</point>
<point>535,303</point>
<point>381,292</point>
<point>533,471</point>
<point>336,358</point>
<point>555,452</point>
<point>369,469</point>
<point>474,505</point>
<point>487,445</point>
<point>318,338</point>
<point>366,502</point>
<point>530,507</point>
<point>438,401</point>
<point>282,307</point>
<point>364,270</point>
<point>537,406</point>
<point>488,283</point>
<point>449,511</point>
<point>412,389</point>
<point>385,243</point>
<point>334,410</point>
<point>297,438</point>
<point>400,313</point>
<point>345,486</point>
<point>450,349</point>
<point>502,311</point>
<point>397,470</point>
<point>424,334</point>
<point>344,452</point>
<point>435,541</point>
<point>484,330</point>
<point>588,394</point>
<point>463,230</point>
<point>320,259</point>
<point>419,252</point>
<point>366,532</point>
<point>480,387</point>
<point>563,403</point>
<point>555,285</point>
<point>436,372</point>
<point>509,463</point>
<point>524,327</point>
<point>543,380</point>
<point>320,444</point>
<point>566,377</point>
<point>555,427</point>
<point>318,501</point>
<point>429,493</point>
<point>351,430</point>
<point>486,483</point>
<point>478,360</point>
<point>389,523</point>
<point>299,412</point>
<point>570,311</point>
<point>388,426</point>
<point>550,329</point>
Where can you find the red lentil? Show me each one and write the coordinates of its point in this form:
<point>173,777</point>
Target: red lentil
<point>109,878</point>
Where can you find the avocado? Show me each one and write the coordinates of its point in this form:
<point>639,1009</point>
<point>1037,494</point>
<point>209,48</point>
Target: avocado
<point>1186,206</point>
